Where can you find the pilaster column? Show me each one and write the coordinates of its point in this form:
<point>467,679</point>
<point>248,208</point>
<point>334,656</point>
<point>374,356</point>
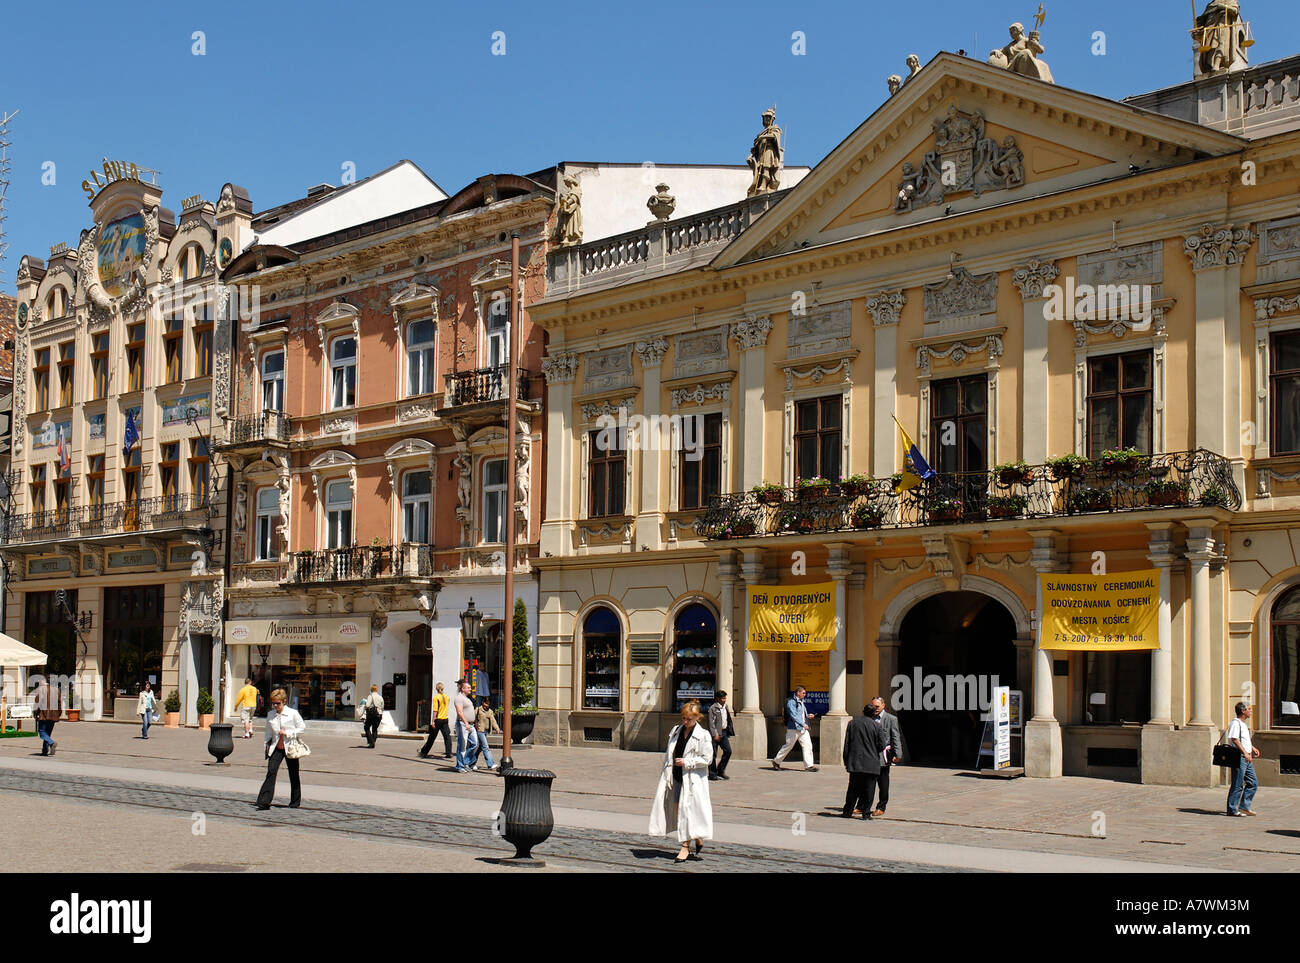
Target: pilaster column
<point>1043,753</point>
<point>728,575</point>
<point>751,726</point>
<point>838,568</point>
<point>885,309</point>
<point>559,368</point>
<point>1200,553</point>
<point>650,519</point>
<point>1033,279</point>
<point>751,335</point>
<point>1161,554</point>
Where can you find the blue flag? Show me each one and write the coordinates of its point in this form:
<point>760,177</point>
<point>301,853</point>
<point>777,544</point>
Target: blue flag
<point>131,435</point>
<point>915,468</point>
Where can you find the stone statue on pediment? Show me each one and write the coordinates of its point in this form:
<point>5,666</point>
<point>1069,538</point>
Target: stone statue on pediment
<point>1023,54</point>
<point>568,221</point>
<point>765,157</point>
<point>895,83</point>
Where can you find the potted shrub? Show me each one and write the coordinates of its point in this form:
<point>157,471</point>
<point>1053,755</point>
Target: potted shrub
<point>943,508</point>
<point>866,516</point>
<point>740,528</point>
<point>1014,473</point>
<point>855,485</point>
<point>1214,496</point>
<point>172,710</point>
<point>769,494</point>
<point>524,713</point>
<point>1067,466</point>
<point>795,520</point>
<point>1118,461</point>
<point>1166,492</point>
<point>1007,506</point>
<point>203,705</point>
<point>1090,500</point>
<point>74,706</point>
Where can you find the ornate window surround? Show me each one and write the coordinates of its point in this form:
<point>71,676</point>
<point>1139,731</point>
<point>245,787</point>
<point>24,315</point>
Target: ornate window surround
<point>326,467</point>
<point>495,276</point>
<point>402,457</point>
<point>589,423</point>
<point>261,344</point>
<point>486,444</point>
<point>414,302</point>
<point>1274,314</point>
<point>330,323</point>
<point>812,372</point>
<point>958,347</point>
<point>1121,343</point>
<point>723,407</point>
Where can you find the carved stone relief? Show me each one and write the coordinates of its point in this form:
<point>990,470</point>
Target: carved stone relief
<point>821,330</point>
<point>886,307</point>
<point>700,352</point>
<point>560,367</point>
<point>962,295</point>
<point>607,369</point>
<point>963,160</point>
<point>1217,246</point>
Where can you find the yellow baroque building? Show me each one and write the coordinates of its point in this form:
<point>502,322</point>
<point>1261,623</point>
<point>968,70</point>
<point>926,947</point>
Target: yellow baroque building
<point>1017,271</point>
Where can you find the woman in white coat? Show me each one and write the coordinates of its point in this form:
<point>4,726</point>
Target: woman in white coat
<point>282,725</point>
<point>682,798</point>
<point>144,709</point>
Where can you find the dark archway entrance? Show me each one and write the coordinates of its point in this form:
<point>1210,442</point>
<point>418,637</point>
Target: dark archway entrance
<point>960,642</point>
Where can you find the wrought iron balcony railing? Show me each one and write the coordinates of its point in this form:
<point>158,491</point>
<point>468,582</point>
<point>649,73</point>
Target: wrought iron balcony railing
<point>361,563</point>
<point>160,513</point>
<point>484,384</point>
<point>1197,478</point>
<point>267,426</point>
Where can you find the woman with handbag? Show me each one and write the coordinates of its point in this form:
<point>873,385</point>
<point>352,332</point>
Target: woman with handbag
<point>283,726</point>
<point>144,708</point>
<point>682,797</point>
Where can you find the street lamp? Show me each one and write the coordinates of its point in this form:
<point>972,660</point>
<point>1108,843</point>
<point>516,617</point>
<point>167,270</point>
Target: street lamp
<point>471,620</point>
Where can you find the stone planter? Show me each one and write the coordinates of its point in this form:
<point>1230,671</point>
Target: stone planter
<point>205,721</point>
<point>526,812</point>
<point>521,726</point>
<point>74,715</point>
<point>171,720</point>
<point>220,741</point>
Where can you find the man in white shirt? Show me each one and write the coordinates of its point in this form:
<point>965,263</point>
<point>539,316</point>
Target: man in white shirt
<point>1241,792</point>
<point>466,738</point>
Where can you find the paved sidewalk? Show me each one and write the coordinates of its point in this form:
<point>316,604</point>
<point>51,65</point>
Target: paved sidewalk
<point>937,816</point>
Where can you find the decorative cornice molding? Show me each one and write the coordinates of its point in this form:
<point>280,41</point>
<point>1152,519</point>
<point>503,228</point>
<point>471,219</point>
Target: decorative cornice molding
<point>1034,276</point>
<point>752,331</point>
<point>1119,327</point>
<point>886,307</point>
<point>1212,246</point>
<point>957,351</point>
<point>560,368</point>
<point>652,353</point>
<point>607,408</point>
<point>719,391</point>
<point>1266,308</point>
<point>337,315</point>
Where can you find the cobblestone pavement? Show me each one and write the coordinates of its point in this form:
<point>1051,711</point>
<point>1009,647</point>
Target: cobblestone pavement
<point>1093,819</point>
<point>578,849</point>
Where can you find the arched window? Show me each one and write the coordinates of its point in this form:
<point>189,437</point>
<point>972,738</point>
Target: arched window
<point>56,303</point>
<point>1286,660</point>
<point>268,510</point>
<point>602,647</point>
<point>338,514</point>
<point>416,488</point>
<point>343,372</point>
<point>191,262</point>
<point>419,357</point>
<point>695,655</point>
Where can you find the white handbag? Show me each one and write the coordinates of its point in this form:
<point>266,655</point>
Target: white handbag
<point>295,748</point>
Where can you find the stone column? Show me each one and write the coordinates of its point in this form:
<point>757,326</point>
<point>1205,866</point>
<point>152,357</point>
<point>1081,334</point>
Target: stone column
<point>1161,555</point>
<point>885,309</point>
<point>835,723</point>
<point>751,334</point>
<point>1032,279</point>
<point>1200,553</point>
<point>751,726</point>
<point>559,369</point>
<point>650,518</point>
<point>728,575</point>
<point>1043,753</point>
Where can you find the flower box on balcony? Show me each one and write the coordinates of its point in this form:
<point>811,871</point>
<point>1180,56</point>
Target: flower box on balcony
<point>1007,506</point>
<point>769,494</point>
<point>1213,496</point>
<point>1164,493</point>
<point>1090,500</point>
<point>796,521</point>
<point>1014,473</point>
<point>866,516</point>
<point>1068,466</point>
<point>739,528</point>
<point>1116,461</point>
<point>855,485</point>
<point>809,488</point>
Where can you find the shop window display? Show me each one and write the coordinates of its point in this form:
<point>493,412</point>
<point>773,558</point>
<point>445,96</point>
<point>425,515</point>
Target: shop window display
<point>320,679</point>
<point>602,639</point>
<point>695,656</point>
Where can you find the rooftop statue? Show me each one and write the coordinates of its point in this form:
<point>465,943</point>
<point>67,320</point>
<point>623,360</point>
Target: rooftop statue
<point>1221,38</point>
<point>1022,54</point>
<point>765,157</point>
<point>568,222</point>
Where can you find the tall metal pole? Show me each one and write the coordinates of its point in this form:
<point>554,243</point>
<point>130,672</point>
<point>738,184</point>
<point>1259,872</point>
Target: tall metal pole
<point>512,426</point>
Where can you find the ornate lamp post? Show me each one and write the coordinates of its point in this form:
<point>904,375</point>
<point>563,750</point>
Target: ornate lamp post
<point>471,621</point>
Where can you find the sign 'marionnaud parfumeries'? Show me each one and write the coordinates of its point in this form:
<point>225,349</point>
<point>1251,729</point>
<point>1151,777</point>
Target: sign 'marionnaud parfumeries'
<point>311,630</point>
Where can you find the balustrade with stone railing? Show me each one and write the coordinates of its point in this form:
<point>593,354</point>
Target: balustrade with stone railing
<point>160,513</point>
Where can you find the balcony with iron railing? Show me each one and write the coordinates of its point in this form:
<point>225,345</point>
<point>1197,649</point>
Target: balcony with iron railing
<point>148,515</point>
<point>1060,488</point>
<point>254,431</point>
<point>356,563</point>
<point>482,386</point>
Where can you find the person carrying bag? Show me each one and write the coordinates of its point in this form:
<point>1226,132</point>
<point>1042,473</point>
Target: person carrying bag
<point>373,708</point>
<point>283,728</point>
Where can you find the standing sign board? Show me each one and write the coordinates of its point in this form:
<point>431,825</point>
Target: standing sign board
<point>812,670</point>
<point>1002,727</point>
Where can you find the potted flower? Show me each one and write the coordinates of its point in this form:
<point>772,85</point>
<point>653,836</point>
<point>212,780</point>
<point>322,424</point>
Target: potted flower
<point>739,527</point>
<point>1014,473</point>
<point>1166,492</point>
<point>1213,496</point>
<point>74,706</point>
<point>943,508</point>
<point>172,710</point>
<point>866,516</point>
<point>1090,500</point>
<point>1007,506</point>
<point>895,480</point>
<point>1118,461</point>
<point>203,705</point>
<point>769,494</point>
<point>855,485</point>
<point>796,520</point>
<point>1067,466</point>
<point>816,487</point>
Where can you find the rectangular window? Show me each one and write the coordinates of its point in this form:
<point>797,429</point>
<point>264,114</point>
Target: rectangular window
<point>41,374</point>
<point>419,357</point>
<point>959,426</point>
<point>343,372</point>
<point>99,365</point>
<point>1117,688</point>
<point>135,357</point>
<point>700,462</point>
<point>498,332</point>
<point>338,514</point>
<point>606,472</point>
<point>37,488</point>
<point>1284,393</point>
<point>1119,402</point>
<point>494,501</point>
<point>168,472</point>
<point>273,381</point>
<point>67,372</point>
<point>268,513</point>
<point>200,473</point>
<point>202,349</point>
<point>417,487</point>
<point>817,439</point>
<point>173,348</point>
<point>61,503</point>
<point>131,488</point>
<point>95,483</point>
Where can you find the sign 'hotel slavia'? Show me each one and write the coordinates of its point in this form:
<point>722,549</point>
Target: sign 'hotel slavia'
<point>1101,613</point>
<point>112,171</point>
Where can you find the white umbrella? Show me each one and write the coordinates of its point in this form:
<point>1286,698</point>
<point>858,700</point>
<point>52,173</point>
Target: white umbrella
<point>15,653</point>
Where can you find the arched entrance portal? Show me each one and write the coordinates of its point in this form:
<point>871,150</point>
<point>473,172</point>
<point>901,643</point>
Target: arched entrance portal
<point>954,647</point>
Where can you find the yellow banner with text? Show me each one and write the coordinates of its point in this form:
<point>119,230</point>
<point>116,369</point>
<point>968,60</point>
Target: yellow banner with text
<point>791,618</point>
<point>1101,613</point>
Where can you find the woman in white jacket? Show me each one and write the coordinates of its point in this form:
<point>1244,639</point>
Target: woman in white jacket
<point>682,798</point>
<point>282,724</point>
<point>144,709</point>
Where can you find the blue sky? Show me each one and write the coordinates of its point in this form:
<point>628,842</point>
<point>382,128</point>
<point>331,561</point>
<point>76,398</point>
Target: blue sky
<point>286,93</point>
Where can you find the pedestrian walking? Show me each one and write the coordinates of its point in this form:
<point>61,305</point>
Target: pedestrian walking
<point>892,754</point>
<point>721,729</point>
<point>484,722</point>
<point>1241,792</point>
<point>246,703</point>
<point>283,725</point>
<point>373,710</point>
<point>49,708</point>
<point>466,740</point>
<point>144,709</point>
<point>682,797</point>
<point>864,746</point>
<point>437,724</point>
<point>796,730</point>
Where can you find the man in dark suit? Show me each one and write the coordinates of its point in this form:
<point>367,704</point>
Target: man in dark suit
<point>893,739</point>
<point>863,745</point>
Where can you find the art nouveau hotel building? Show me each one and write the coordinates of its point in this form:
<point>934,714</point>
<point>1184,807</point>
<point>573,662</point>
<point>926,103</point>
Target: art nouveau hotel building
<point>796,325</point>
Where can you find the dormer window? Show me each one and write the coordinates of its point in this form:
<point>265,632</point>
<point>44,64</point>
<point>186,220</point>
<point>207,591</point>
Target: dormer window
<point>191,262</point>
<point>56,303</point>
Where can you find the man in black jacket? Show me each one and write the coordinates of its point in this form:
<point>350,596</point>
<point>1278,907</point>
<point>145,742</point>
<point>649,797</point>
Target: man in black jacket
<point>863,745</point>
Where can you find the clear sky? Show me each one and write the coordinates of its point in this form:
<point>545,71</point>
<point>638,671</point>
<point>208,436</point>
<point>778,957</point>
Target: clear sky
<point>286,93</point>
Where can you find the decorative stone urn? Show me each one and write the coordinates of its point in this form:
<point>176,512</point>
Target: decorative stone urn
<point>521,725</point>
<point>661,204</point>
<point>220,741</point>
<point>526,811</point>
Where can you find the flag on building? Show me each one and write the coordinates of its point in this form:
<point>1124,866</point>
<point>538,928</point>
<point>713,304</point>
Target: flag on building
<point>915,467</point>
<point>131,436</point>
<point>65,455</point>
